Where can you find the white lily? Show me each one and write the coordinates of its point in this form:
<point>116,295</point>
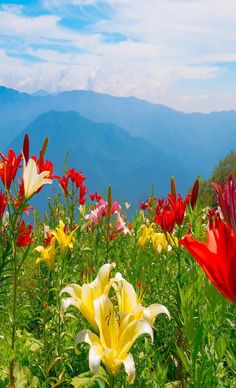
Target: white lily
<point>83,297</point>
<point>116,337</point>
<point>130,304</point>
<point>32,180</point>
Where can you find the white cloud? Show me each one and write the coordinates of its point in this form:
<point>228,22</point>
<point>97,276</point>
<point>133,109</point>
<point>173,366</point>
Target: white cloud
<point>168,42</point>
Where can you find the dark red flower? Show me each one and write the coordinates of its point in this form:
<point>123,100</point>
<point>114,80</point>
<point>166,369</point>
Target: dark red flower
<point>226,198</point>
<point>3,202</point>
<point>217,257</point>
<point>9,167</point>
<point>194,194</point>
<point>143,205</point>
<point>24,235</point>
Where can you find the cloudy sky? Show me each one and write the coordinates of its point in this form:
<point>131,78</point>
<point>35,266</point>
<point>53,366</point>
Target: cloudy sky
<point>181,53</point>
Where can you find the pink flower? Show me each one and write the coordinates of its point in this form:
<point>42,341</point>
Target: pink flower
<point>120,225</point>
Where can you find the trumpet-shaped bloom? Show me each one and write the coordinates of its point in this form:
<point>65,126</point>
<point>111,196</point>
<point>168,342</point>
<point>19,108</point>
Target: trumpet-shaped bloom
<point>83,297</point>
<point>130,303</point>
<point>33,180</point>
<point>217,257</point>
<point>145,236</point>
<point>116,337</point>
<point>159,242</point>
<point>120,225</point>
<point>9,167</point>
<point>24,236</point>
<point>3,203</point>
<point>226,197</point>
<point>47,254</point>
<point>64,240</point>
<point>101,210</point>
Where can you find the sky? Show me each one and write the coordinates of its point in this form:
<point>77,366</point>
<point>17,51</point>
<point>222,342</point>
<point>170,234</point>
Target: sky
<point>180,53</point>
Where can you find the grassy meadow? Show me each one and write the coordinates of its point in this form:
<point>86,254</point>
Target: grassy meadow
<point>77,283</point>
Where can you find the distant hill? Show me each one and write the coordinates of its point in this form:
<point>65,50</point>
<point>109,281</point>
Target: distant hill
<point>106,154</point>
<point>197,140</point>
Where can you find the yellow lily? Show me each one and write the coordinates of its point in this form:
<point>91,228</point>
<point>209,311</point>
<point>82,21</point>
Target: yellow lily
<point>116,337</point>
<point>159,242</point>
<point>47,254</point>
<point>83,297</point>
<point>32,180</point>
<point>130,303</point>
<point>64,241</point>
<point>145,236</point>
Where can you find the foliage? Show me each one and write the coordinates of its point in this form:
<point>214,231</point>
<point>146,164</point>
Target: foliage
<point>196,348</point>
<point>225,166</point>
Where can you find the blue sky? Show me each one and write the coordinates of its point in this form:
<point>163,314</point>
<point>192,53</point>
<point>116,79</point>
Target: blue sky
<point>180,53</point>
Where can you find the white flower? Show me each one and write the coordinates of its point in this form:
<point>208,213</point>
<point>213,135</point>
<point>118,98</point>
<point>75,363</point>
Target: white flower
<point>32,180</point>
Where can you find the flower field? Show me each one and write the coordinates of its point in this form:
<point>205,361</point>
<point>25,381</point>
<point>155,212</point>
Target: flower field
<point>94,294</point>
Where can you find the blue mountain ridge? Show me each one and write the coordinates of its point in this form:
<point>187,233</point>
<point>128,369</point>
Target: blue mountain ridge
<point>188,144</point>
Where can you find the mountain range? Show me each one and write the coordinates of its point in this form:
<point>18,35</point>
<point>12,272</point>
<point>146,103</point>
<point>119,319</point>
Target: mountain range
<point>126,142</point>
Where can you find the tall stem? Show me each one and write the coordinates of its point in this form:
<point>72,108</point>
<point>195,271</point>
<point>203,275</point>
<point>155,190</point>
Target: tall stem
<point>112,381</point>
<point>13,335</point>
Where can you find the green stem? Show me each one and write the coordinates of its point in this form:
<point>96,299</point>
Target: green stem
<point>112,381</point>
<point>13,336</point>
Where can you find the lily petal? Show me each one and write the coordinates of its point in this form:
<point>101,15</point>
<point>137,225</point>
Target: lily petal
<point>153,310</point>
<point>130,368</point>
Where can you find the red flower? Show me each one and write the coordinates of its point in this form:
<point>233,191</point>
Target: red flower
<point>143,205</point>
<point>24,235</point>
<point>217,257</point>
<point>63,182</point>
<point>9,167</point>
<point>171,212</point>
<point>178,206</point>
<point>94,196</point>
<point>3,202</point>
<point>226,198</point>
<point>165,218</point>
<point>76,177</point>
<point>44,165</point>
<point>82,192</point>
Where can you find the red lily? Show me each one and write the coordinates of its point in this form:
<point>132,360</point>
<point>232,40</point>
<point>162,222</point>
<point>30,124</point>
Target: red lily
<point>3,202</point>
<point>178,206</point>
<point>226,198</point>
<point>216,257</point>
<point>9,167</point>
<point>95,196</point>
<point>82,192</point>
<point>76,177</point>
<point>63,182</point>
<point>165,218</point>
<point>24,235</point>
<point>143,205</point>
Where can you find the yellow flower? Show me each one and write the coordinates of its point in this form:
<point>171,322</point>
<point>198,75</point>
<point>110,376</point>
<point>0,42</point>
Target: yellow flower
<point>159,242</point>
<point>83,297</point>
<point>130,304</point>
<point>127,205</point>
<point>32,180</point>
<point>116,337</point>
<point>145,236</point>
<point>47,254</point>
<point>64,241</point>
